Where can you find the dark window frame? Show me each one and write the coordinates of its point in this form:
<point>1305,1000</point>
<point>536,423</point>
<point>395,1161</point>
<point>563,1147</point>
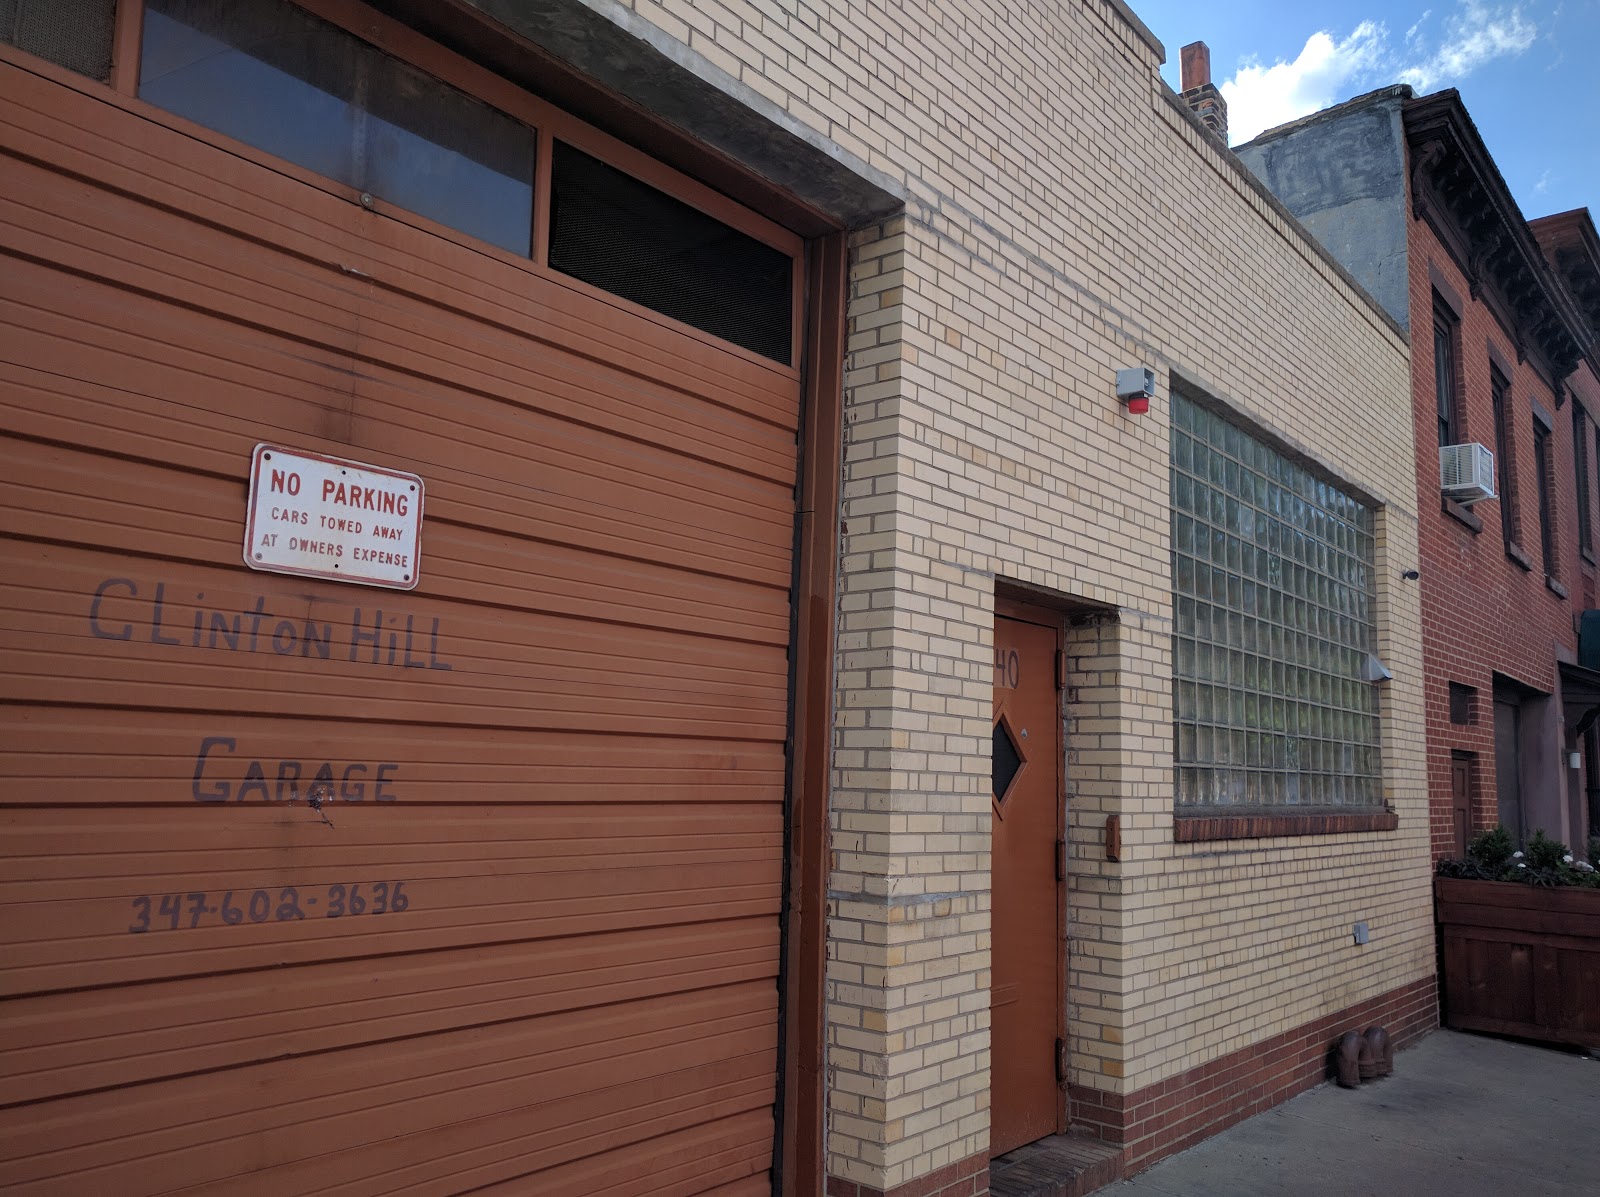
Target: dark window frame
<point>282,78</point>
<point>630,239</point>
<point>1544,479</point>
<point>1447,373</point>
<point>1581,480</point>
<point>1505,465</point>
<point>1594,478</point>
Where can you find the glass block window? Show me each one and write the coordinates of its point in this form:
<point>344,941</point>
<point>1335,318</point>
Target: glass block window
<point>1273,594</point>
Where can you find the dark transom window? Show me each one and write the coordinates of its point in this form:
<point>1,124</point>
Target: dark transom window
<point>282,80</point>
<point>614,232</point>
<point>1273,582</point>
<point>315,93</point>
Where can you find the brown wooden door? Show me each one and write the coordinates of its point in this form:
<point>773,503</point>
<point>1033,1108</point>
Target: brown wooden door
<point>1025,998</point>
<point>532,938</point>
<point>1461,799</point>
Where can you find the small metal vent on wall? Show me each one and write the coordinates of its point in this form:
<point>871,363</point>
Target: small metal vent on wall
<point>612,231</point>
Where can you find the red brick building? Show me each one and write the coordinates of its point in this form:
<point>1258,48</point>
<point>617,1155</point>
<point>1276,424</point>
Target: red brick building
<point>1503,317</point>
<point>1572,249</point>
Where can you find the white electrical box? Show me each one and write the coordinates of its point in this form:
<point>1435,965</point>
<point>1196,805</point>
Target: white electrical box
<point>1136,383</point>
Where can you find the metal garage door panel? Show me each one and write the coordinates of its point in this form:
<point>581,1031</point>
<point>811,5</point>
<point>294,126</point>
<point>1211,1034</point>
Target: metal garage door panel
<point>69,1043</point>
<point>596,482</point>
<point>82,628</point>
<point>69,756</point>
<point>327,240</point>
<point>583,708</point>
<point>122,928</point>
<point>570,1079</point>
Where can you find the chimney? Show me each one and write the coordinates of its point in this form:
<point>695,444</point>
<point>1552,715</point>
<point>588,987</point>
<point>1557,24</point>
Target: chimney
<point>1199,92</point>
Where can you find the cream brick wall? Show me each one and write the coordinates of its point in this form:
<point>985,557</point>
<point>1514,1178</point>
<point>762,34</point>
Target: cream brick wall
<point>1065,220</point>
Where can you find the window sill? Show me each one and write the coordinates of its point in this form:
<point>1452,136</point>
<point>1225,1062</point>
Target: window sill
<point>1555,587</point>
<point>1588,555</point>
<point>1514,551</point>
<point>1194,828</point>
<point>1463,515</point>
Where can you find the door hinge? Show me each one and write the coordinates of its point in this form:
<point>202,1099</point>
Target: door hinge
<point>1061,860</point>
<point>1061,1061</point>
<point>1061,669</point>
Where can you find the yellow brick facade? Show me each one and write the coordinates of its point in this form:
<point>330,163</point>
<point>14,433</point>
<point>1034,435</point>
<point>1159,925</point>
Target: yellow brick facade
<point>1065,219</point>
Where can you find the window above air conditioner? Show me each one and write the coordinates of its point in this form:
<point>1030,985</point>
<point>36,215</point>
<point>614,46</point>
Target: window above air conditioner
<point>1466,473</point>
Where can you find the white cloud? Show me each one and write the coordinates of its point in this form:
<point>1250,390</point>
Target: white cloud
<point>1472,37</point>
<point>1328,71</point>
<point>1260,97</point>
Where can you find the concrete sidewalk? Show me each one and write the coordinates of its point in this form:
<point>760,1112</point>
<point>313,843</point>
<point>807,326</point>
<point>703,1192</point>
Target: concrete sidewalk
<point>1462,1115</point>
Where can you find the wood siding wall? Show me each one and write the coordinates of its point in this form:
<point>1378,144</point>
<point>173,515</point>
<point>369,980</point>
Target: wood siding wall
<point>569,738</point>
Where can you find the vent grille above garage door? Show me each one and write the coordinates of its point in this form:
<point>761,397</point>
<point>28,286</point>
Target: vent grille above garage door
<point>75,34</point>
<point>614,232</point>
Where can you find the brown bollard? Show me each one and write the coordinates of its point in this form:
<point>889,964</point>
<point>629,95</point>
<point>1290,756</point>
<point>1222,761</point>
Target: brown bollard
<point>1349,1060</point>
<point>1367,1062</point>
<point>1382,1050</point>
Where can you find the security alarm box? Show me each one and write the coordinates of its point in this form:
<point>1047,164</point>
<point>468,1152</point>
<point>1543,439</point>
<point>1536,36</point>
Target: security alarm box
<point>1137,383</point>
<point>1136,387</point>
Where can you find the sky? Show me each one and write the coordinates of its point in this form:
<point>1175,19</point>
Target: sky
<point>1528,73</point>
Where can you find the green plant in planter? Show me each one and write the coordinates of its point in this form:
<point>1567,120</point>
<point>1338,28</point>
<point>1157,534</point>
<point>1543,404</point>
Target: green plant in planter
<point>1549,863</point>
<point>1492,851</point>
<point>1493,856</point>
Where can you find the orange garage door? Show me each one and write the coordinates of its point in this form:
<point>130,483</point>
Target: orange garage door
<point>530,940</point>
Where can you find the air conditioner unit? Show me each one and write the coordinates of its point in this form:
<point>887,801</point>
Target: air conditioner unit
<point>1466,473</point>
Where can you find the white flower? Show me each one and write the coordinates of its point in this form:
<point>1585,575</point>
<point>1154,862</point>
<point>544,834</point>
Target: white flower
<point>1516,856</point>
<point>1567,859</point>
<point>1521,866</point>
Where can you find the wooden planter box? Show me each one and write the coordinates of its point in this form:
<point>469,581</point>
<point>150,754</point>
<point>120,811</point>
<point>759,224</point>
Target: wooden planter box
<point>1520,960</point>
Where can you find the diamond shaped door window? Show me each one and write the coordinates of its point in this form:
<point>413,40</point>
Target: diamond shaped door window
<point>1009,760</point>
